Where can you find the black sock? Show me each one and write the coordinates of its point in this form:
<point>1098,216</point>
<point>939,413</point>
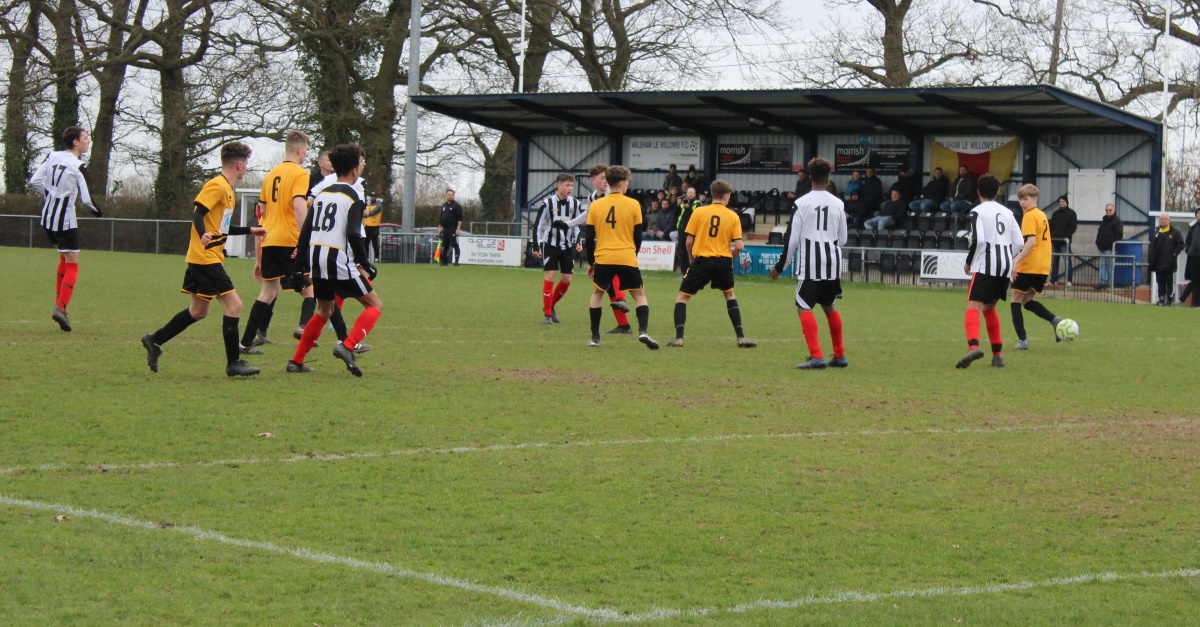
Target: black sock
<point>680,319</point>
<point>257,311</point>
<point>1040,310</point>
<point>307,310</point>
<point>339,324</point>
<point>229,332</point>
<point>265,323</point>
<point>596,316</point>
<point>1018,317</point>
<point>643,318</point>
<point>181,321</point>
<point>735,316</point>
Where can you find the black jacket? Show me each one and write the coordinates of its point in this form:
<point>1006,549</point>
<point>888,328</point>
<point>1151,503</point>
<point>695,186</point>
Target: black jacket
<point>1110,232</point>
<point>897,209</point>
<point>451,214</point>
<point>964,188</point>
<point>1193,241</point>
<point>936,189</point>
<point>870,191</point>
<point>1165,249</point>
<point>1063,223</point>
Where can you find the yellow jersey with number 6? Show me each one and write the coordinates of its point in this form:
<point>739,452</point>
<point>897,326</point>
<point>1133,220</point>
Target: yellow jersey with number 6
<point>284,183</point>
<point>614,217</point>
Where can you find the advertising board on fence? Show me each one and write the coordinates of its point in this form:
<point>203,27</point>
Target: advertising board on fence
<point>491,251</point>
<point>657,256</point>
<point>884,158</point>
<point>658,153</point>
<point>757,260</point>
<point>754,157</point>
<point>944,266</point>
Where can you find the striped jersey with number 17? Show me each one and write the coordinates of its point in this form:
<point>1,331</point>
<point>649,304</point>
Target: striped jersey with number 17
<point>60,178</point>
<point>336,227</point>
<point>994,236</point>
<point>818,234</point>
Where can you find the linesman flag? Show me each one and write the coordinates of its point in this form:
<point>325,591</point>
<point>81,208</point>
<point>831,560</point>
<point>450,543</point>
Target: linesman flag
<point>981,155</point>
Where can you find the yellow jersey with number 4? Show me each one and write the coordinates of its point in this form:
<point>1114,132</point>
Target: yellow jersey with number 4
<point>714,228</point>
<point>1035,224</point>
<point>614,217</point>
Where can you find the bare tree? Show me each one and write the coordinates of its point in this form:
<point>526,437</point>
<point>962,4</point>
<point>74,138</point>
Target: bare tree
<point>21,29</point>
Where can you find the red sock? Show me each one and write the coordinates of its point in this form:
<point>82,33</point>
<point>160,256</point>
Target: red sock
<point>312,331</point>
<point>992,319</point>
<point>362,326</point>
<point>808,322</point>
<point>67,288</point>
<point>835,333</point>
<point>622,318</point>
<point>62,267</point>
<point>547,296</point>
<point>339,300</point>
<point>972,326</point>
<point>559,291</point>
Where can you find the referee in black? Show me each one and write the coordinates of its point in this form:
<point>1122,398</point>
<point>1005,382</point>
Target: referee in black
<point>450,225</point>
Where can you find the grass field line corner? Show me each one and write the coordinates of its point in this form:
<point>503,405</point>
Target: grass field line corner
<point>557,605</point>
<point>492,448</point>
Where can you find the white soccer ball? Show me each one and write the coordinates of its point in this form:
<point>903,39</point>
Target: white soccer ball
<point>1067,329</point>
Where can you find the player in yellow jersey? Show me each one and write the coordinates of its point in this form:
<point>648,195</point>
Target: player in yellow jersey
<point>613,237</point>
<point>206,278</point>
<point>1032,265</point>
<point>284,206</point>
<point>714,235</point>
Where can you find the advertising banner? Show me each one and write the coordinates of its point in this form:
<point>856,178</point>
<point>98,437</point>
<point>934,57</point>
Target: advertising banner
<point>944,266</point>
<point>757,260</point>
<point>754,157</point>
<point>491,251</point>
<point>658,153</point>
<point>657,256</point>
<point>885,158</point>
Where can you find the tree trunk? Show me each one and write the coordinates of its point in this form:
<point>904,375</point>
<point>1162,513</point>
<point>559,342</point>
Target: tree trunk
<point>18,154</point>
<point>336,111</point>
<point>110,80</point>
<point>894,64</point>
<point>66,73</point>
<point>379,136</point>
<point>171,185</point>
<point>496,192</point>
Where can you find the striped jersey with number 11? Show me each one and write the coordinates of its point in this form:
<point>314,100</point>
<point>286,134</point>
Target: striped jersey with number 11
<point>994,236</point>
<point>335,233</point>
<point>818,233</point>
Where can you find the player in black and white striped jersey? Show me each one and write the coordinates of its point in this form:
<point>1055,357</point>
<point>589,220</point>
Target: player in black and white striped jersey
<point>994,236</point>
<point>331,245</point>
<point>815,238</point>
<point>61,178</point>
<point>556,247</point>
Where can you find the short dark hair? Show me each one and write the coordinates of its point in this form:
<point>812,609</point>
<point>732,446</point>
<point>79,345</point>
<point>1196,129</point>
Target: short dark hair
<point>988,186</point>
<point>720,187</point>
<point>616,173</point>
<point>819,169</point>
<point>599,168</point>
<point>234,151</point>
<point>672,166</point>
<point>71,135</point>
<point>564,177</point>
<point>937,169</point>
<point>345,157</point>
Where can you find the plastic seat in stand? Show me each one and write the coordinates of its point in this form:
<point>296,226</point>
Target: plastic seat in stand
<point>945,241</point>
<point>854,238</point>
<point>929,240</point>
<point>887,262</point>
<point>913,240</point>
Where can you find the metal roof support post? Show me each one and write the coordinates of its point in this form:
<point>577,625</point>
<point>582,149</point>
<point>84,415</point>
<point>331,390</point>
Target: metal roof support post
<point>616,149</point>
<point>521,195</point>
<point>708,158</point>
<point>1029,158</point>
<point>810,148</point>
<point>1156,177</point>
<point>916,154</point>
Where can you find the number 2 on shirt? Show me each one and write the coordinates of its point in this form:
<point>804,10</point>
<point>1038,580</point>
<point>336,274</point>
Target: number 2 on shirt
<point>612,217</point>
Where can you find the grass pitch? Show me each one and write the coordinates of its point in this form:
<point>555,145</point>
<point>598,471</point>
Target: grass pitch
<point>492,470</point>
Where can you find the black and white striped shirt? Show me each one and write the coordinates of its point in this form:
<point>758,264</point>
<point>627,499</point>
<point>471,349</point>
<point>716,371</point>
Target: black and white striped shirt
<point>63,183</point>
<point>818,234</point>
<point>335,233</point>
<point>994,236</point>
<point>555,208</point>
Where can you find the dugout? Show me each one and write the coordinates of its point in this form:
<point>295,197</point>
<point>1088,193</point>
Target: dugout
<point>755,139</point>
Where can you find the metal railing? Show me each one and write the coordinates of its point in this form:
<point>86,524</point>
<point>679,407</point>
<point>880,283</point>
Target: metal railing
<point>513,229</point>
<point>112,234</point>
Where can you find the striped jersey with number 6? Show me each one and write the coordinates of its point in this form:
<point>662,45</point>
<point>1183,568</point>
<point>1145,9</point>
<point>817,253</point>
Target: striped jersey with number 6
<point>336,216</point>
<point>818,234</point>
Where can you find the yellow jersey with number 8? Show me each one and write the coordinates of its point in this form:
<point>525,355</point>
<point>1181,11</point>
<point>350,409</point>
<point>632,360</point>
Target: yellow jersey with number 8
<point>714,228</point>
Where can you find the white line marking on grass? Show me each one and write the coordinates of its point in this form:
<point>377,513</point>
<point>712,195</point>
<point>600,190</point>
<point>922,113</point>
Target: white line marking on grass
<point>326,558</point>
<point>458,450</point>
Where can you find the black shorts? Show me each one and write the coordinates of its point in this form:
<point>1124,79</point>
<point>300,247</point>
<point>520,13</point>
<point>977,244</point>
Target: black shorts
<point>65,241</point>
<point>560,259</point>
<point>1029,283</point>
<point>629,276</point>
<point>987,289</point>
<point>206,281</point>
<point>714,271</point>
<point>327,289</point>
<point>277,262</point>
<point>810,293</point>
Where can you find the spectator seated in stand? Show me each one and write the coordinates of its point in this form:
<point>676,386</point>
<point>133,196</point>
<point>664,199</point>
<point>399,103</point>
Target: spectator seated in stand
<point>693,178</point>
<point>803,185</point>
<point>908,183</point>
<point>870,191</point>
<point>962,192</point>
<point>672,180</point>
<point>853,184</point>
<point>933,194</point>
<point>855,210</point>
<point>664,223</point>
<point>891,213</point>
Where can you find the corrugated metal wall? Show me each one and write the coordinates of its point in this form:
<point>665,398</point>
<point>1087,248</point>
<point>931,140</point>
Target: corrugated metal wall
<point>1096,152</point>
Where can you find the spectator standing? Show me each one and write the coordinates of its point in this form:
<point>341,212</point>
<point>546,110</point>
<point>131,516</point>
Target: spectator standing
<point>1164,258</point>
<point>686,207</point>
<point>672,180</point>
<point>870,192</point>
<point>890,213</point>
<point>933,194</point>
<point>803,184</point>
<point>450,225</point>
<point>1062,227</point>
<point>372,218</point>
<point>962,192</point>
<point>1191,272</point>
<point>1110,232</point>
<point>692,178</point>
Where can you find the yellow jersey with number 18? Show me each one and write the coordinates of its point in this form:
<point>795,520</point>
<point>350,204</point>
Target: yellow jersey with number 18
<point>614,217</point>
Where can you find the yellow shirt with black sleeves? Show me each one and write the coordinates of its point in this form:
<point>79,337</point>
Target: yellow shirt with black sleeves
<point>374,219</point>
<point>1035,224</point>
<point>284,183</point>
<point>714,228</point>
<point>214,209</point>
<point>614,218</point>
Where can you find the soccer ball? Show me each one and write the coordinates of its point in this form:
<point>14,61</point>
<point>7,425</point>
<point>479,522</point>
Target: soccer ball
<point>1067,330</point>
